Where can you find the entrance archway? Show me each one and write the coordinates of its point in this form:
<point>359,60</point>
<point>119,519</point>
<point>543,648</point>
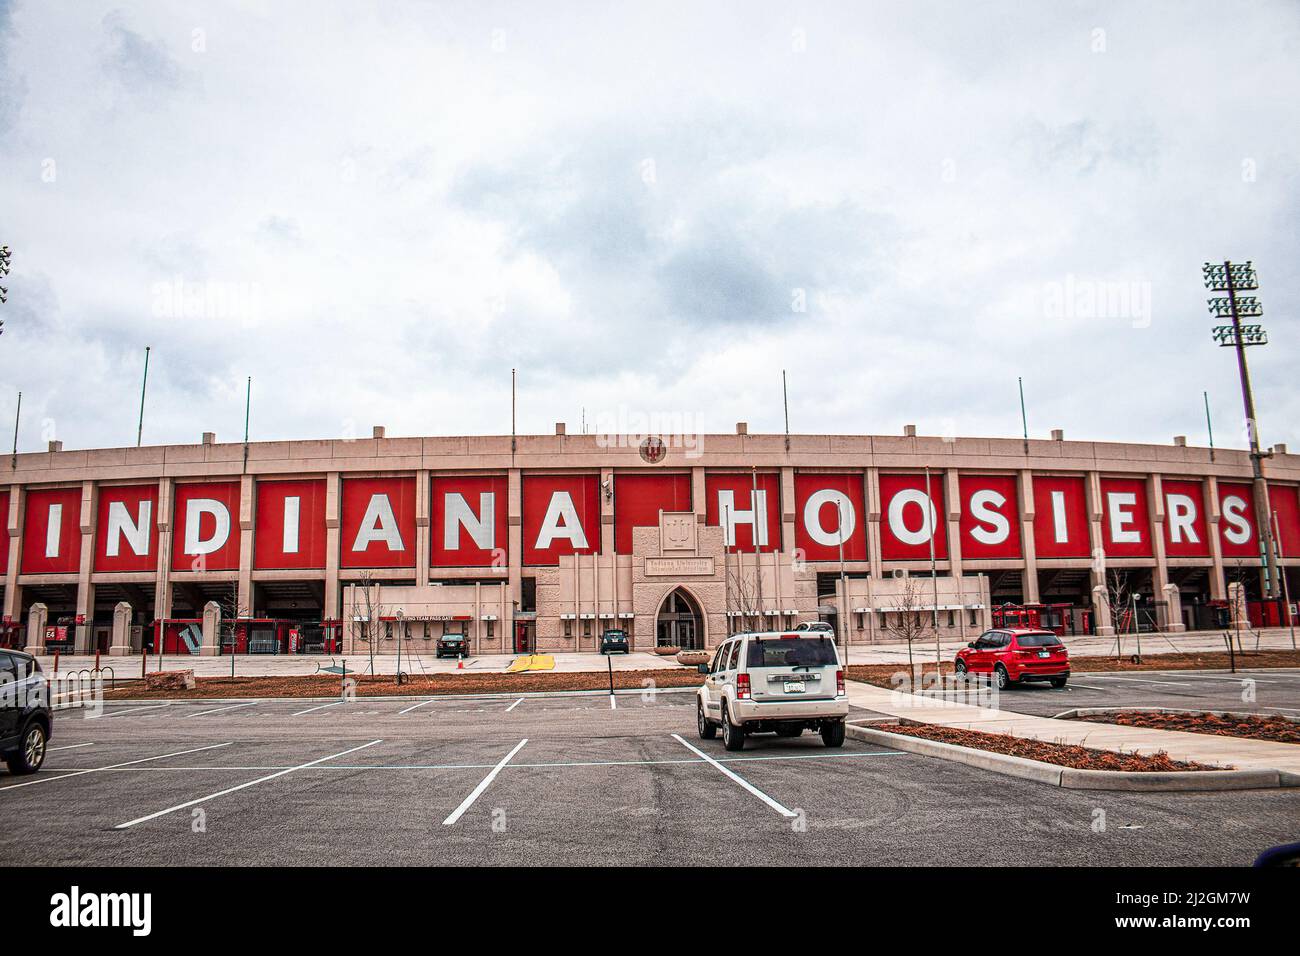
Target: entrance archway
<point>679,622</point>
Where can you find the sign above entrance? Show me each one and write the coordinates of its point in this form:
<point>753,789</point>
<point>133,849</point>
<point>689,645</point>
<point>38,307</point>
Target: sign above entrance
<point>677,531</point>
<point>678,566</point>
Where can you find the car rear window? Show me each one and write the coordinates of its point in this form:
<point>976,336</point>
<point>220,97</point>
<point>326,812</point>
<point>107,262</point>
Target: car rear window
<point>791,652</point>
<point>1037,640</point>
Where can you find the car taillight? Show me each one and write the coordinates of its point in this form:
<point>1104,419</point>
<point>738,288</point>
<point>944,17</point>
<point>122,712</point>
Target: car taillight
<point>742,686</point>
<point>839,682</point>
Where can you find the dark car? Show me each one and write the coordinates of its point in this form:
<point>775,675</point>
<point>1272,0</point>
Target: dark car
<point>613,640</point>
<point>24,712</point>
<point>452,644</point>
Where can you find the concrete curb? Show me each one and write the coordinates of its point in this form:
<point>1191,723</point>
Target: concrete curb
<point>1078,712</point>
<point>1069,778</point>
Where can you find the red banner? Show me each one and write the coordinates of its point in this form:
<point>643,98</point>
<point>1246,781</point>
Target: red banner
<point>745,502</point>
<point>1186,525</point>
<point>561,516</point>
<point>1284,500</point>
<point>52,532</point>
<point>4,531</point>
<point>469,525</point>
<point>638,499</point>
<point>1060,518</point>
<point>126,535</point>
<point>1237,521</point>
<point>990,516</point>
<point>830,510</point>
<point>205,527</point>
<point>911,516</point>
<point>1126,519</point>
<point>289,525</point>
<point>378,523</point>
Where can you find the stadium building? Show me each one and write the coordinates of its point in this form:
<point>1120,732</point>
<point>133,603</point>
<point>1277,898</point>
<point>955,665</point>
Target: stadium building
<point>543,542</point>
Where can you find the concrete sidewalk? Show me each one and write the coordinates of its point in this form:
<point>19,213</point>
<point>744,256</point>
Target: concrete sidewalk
<point>1179,745</point>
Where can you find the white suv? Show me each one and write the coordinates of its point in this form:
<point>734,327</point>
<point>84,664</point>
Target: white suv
<point>780,681</point>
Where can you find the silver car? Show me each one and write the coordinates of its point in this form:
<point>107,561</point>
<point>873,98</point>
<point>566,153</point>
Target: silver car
<point>781,681</point>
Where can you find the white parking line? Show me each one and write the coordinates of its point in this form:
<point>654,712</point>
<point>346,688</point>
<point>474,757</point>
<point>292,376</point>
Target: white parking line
<point>217,710</point>
<point>613,704</point>
<point>483,785</point>
<point>318,707</point>
<point>242,786</point>
<point>129,710</point>
<point>514,705</point>
<point>78,773</point>
<point>739,779</point>
<point>413,706</point>
<point>1139,680</point>
<point>69,747</point>
<point>1229,678</point>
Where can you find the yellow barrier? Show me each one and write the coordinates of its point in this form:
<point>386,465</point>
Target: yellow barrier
<point>532,662</point>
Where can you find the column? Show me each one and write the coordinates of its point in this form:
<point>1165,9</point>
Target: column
<point>423,526</point>
<point>244,600</point>
<point>1218,581</point>
<point>162,596</point>
<point>13,529</point>
<point>121,644</point>
<point>331,610</point>
<point>85,631</point>
<point>1028,547</point>
<point>36,620</point>
<point>211,630</point>
<point>1100,587</point>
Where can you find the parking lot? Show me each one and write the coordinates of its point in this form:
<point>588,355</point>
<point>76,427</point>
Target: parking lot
<point>565,779</point>
<point>1273,692</point>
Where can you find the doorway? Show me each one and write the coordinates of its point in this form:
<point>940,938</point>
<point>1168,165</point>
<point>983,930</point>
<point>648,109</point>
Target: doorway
<point>679,623</point>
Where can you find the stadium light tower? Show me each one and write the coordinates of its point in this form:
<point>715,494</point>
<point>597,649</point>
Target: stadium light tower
<point>1233,278</point>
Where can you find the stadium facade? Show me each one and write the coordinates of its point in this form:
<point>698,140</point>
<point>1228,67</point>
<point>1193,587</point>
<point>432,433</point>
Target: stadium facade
<point>543,542</point>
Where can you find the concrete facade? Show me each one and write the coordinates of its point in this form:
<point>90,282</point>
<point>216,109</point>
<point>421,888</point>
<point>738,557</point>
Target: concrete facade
<point>564,605</point>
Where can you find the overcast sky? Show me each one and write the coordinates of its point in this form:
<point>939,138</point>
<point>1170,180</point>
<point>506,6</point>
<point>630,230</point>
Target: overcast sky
<point>376,210</point>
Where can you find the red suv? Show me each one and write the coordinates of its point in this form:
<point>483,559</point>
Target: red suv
<point>1012,655</point>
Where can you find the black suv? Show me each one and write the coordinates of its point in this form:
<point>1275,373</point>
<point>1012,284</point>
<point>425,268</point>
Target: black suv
<point>452,644</point>
<point>24,712</point>
<point>613,640</point>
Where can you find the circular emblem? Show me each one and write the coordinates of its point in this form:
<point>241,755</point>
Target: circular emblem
<point>653,450</point>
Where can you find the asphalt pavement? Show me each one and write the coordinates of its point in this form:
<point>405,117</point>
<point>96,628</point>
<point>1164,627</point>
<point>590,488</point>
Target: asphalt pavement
<point>572,780</point>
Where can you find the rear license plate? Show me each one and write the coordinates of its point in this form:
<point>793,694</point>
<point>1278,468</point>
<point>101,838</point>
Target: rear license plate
<point>1044,653</point>
<point>794,687</point>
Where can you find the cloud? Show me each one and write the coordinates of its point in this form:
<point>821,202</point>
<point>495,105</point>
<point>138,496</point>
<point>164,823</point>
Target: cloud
<point>656,209</point>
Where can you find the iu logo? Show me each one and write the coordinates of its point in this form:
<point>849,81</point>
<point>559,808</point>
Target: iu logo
<point>653,450</point>
<point>678,532</point>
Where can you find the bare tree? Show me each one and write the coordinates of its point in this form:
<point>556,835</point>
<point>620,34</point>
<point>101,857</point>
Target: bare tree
<point>231,613</point>
<point>1118,596</point>
<point>366,614</point>
<point>743,586</point>
<point>906,621</point>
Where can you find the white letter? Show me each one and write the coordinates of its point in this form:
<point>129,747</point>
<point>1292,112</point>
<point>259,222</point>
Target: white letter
<point>980,511</point>
<point>1182,518</point>
<point>1234,510</point>
<point>844,523</point>
<point>52,530</point>
<point>755,517</point>
<point>1058,518</point>
<point>928,516</point>
<point>457,515</point>
<point>379,524</point>
<point>195,508</point>
<point>292,508</point>
<point>121,526</point>
<point>1120,519</point>
<point>561,521</point>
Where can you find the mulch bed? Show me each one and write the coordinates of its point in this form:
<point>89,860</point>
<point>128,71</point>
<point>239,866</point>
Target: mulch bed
<point>385,685</point>
<point>1255,728</point>
<point>880,674</point>
<point>1064,755</point>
